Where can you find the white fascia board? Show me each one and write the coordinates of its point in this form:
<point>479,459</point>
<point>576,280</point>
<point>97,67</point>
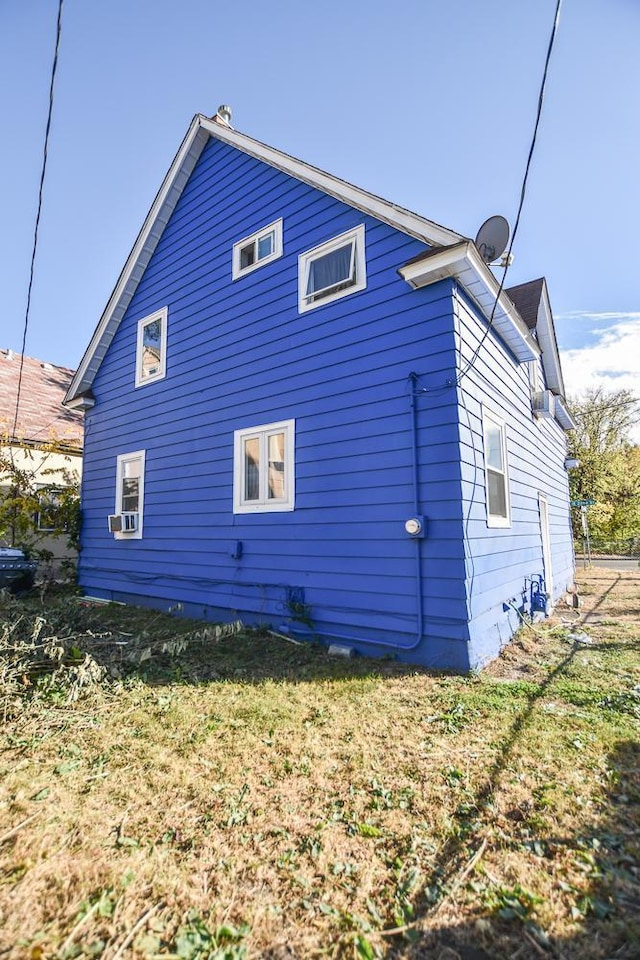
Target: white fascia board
<point>137,261</point>
<point>463,263</point>
<point>398,217</point>
<point>546,334</point>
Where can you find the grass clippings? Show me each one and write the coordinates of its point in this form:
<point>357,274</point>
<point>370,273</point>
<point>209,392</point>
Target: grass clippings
<point>202,795</point>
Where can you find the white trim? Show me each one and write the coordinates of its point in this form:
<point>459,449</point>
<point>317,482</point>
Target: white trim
<point>545,333</point>
<point>463,263</point>
<point>263,504</point>
<point>356,238</point>
<point>399,217</point>
<point>152,229</point>
<point>496,520</point>
<point>81,403</point>
<point>121,460</point>
<point>160,373</point>
<point>545,536</point>
<point>563,415</point>
<point>237,270</point>
<point>197,137</point>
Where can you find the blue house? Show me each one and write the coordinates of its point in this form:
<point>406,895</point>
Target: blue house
<point>309,408</point>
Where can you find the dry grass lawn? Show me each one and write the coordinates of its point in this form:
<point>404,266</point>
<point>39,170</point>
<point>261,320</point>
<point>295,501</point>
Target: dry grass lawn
<point>245,797</point>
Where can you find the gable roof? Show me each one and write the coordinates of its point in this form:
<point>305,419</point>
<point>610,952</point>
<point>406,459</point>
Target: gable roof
<point>534,306</point>
<point>202,129</point>
<point>526,297</point>
<point>41,415</point>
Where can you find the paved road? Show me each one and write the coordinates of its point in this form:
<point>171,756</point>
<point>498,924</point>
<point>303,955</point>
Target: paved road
<point>610,564</point>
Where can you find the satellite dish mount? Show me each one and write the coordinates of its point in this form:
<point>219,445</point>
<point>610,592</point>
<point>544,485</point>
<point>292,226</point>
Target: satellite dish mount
<point>492,238</point>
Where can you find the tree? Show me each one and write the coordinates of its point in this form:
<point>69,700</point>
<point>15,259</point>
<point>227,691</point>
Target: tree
<point>23,500</point>
<point>609,470</point>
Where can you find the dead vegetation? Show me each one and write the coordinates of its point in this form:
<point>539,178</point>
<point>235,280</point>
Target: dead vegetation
<point>202,795</point>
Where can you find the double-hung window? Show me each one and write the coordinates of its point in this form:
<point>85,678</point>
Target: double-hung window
<point>50,516</point>
<point>333,270</point>
<point>496,473</point>
<point>256,250</point>
<point>151,357</point>
<point>264,476</point>
<point>129,506</point>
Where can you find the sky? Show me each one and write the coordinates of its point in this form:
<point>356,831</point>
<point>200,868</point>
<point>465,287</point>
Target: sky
<point>428,104</point>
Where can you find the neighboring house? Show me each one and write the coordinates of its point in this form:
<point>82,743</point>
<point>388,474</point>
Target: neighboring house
<point>331,439</point>
<point>45,442</point>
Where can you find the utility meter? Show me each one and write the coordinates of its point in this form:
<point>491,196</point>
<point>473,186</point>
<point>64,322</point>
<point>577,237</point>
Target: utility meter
<point>414,526</point>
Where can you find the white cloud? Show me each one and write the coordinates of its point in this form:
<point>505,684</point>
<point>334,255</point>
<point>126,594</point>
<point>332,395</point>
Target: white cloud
<point>604,317</point>
<point>612,361</point>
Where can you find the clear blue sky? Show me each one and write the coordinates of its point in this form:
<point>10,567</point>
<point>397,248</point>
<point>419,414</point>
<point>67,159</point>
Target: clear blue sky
<point>427,103</point>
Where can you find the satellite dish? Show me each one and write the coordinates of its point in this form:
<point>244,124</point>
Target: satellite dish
<point>492,238</point>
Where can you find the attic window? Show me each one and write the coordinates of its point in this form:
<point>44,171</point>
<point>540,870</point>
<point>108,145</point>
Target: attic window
<point>258,249</point>
<point>151,357</point>
<point>332,270</point>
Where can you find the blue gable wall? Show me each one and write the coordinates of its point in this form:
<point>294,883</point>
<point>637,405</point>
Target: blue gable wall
<point>240,355</point>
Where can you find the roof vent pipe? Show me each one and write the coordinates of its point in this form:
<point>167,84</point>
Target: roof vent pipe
<point>224,112</point>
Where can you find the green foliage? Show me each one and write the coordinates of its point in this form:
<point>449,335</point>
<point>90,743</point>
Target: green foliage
<point>32,511</point>
<point>512,903</point>
<point>196,941</point>
<point>609,470</point>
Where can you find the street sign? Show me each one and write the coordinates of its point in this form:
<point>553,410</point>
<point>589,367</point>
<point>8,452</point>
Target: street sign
<point>582,503</point>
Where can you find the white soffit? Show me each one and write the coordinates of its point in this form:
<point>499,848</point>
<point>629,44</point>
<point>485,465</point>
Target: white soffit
<point>463,263</point>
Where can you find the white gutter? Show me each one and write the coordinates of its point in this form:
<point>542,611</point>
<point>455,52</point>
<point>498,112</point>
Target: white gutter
<point>562,414</point>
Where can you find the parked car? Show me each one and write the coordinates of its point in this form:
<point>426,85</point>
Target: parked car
<point>17,573</point>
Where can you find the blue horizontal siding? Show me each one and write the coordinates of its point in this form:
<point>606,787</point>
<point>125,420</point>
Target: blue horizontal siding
<point>239,354</point>
<point>500,561</point>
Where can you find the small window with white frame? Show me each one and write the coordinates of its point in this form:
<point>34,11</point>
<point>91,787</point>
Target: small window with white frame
<point>496,472</point>
<point>264,474</point>
<point>334,269</point>
<point>151,355</point>
<point>254,251</point>
<point>126,522</point>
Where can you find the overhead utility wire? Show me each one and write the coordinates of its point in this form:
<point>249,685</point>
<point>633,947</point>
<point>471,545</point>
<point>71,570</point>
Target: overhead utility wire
<point>523,190</point>
<point>54,68</point>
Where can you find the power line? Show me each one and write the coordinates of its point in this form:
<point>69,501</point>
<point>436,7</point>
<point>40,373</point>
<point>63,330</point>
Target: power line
<point>523,190</point>
<point>54,68</point>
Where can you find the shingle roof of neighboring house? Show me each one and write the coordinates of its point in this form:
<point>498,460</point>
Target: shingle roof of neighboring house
<point>41,416</point>
<point>526,297</point>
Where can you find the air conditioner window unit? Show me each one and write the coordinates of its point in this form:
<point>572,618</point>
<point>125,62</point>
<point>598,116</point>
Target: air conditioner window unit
<point>115,523</point>
<point>544,404</point>
<point>129,522</point>
<point>123,522</point>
